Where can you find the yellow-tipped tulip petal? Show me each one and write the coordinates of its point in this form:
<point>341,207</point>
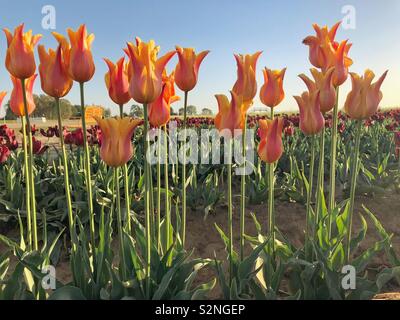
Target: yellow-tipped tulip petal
<point>246,83</point>
<point>53,71</point>
<point>364,98</point>
<point>20,59</point>
<point>271,93</point>
<point>146,70</point>
<point>187,69</point>
<point>116,145</point>
<point>117,81</point>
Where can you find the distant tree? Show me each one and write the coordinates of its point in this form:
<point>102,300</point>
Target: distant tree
<point>190,111</point>
<point>107,112</point>
<point>46,107</point>
<point>173,112</point>
<point>136,111</point>
<point>9,114</point>
<point>206,112</point>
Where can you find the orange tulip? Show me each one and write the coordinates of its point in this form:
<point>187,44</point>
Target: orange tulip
<point>271,93</point>
<point>146,70</point>
<point>230,115</point>
<point>317,53</point>
<point>246,83</point>
<point>53,72</point>
<point>78,53</point>
<point>270,148</point>
<point>20,59</point>
<point>325,52</point>
<point>364,98</point>
<point>116,146</point>
<point>117,81</point>
<point>311,119</point>
<point>17,99</point>
<point>2,95</point>
<point>187,69</point>
<point>160,110</point>
<point>323,83</point>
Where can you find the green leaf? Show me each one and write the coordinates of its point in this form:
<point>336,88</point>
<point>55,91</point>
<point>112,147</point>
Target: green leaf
<point>67,293</point>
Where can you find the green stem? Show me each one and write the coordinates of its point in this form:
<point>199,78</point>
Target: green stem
<point>230,212</point>
<point>119,225</point>
<point>167,210</point>
<point>354,174</point>
<point>126,184</point>
<point>271,215</point>
<point>184,171</point>
<point>159,191</point>
<point>27,185</point>
<point>309,195</point>
<point>243,192</point>
<point>87,167</point>
<point>66,176</point>
<point>147,201</point>
<point>320,181</point>
<point>30,169</point>
<point>332,181</point>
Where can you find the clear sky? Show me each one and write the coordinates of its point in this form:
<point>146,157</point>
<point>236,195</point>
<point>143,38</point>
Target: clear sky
<point>224,27</point>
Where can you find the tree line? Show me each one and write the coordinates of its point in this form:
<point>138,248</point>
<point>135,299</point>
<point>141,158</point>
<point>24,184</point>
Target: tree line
<point>45,107</point>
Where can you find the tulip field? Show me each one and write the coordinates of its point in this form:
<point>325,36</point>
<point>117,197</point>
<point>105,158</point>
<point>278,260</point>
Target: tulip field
<point>240,205</point>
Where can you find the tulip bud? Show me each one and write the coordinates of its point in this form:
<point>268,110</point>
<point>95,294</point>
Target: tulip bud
<point>311,119</point>
<point>78,55</point>
<point>324,84</point>
<point>53,72</point>
<point>364,98</point>
<point>146,71</point>
<point>116,146</point>
<point>17,99</point>
<point>230,117</point>
<point>270,148</point>
<point>159,110</point>
<point>187,69</point>
<point>117,81</point>
<point>271,93</point>
<point>20,59</point>
<point>246,83</point>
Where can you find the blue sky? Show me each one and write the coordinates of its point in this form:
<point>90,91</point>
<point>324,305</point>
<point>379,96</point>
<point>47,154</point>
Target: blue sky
<point>224,27</point>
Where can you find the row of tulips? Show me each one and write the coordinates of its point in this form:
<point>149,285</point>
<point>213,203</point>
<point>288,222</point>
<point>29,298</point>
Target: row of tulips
<point>144,79</point>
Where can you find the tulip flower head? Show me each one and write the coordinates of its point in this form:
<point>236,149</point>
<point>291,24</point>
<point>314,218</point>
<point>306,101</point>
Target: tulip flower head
<point>17,99</point>
<point>20,59</point>
<point>4,153</point>
<point>246,83</point>
<point>117,81</point>
<point>160,109</point>
<point>325,52</point>
<point>230,117</point>
<point>78,54</point>
<point>53,71</point>
<point>364,98</point>
<point>311,119</point>
<point>146,70</point>
<point>271,92</point>
<point>323,83</point>
<point>187,69</point>
<point>270,148</point>
<point>116,146</point>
